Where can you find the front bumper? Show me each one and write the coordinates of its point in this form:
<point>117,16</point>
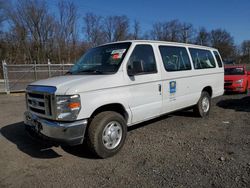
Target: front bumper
<point>64,133</point>
<point>234,88</point>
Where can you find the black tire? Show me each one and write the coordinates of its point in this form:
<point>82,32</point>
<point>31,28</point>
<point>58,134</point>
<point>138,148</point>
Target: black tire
<point>199,111</point>
<point>96,130</point>
<point>246,91</point>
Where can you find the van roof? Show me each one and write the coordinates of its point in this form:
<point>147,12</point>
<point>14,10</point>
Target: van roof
<point>165,42</point>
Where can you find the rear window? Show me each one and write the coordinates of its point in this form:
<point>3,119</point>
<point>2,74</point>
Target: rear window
<point>217,56</point>
<point>234,71</point>
<point>175,58</point>
<point>202,59</point>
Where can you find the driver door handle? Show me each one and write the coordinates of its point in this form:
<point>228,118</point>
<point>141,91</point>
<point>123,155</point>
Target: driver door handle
<point>159,88</point>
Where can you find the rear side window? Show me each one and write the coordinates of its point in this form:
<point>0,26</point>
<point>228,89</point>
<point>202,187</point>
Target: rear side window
<point>217,56</point>
<point>175,58</point>
<point>143,59</point>
<point>202,59</point>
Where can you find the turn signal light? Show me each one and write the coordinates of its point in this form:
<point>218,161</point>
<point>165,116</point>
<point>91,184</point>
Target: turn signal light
<point>73,105</point>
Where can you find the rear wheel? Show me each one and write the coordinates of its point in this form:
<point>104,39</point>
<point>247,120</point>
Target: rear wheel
<point>202,108</point>
<point>246,91</point>
<point>106,134</point>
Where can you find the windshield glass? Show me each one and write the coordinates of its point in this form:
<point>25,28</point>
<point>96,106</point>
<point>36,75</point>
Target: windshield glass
<point>101,60</point>
<point>234,71</point>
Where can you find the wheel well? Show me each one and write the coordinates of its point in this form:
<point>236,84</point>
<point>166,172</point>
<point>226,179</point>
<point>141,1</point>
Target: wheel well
<point>115,107</point>
<point>209,90</point>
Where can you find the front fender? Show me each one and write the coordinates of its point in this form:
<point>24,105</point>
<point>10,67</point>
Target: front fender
<point>94,99</point>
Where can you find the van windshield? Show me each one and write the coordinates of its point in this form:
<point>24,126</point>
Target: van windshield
<point>104,59</point>
<point>234,71</point>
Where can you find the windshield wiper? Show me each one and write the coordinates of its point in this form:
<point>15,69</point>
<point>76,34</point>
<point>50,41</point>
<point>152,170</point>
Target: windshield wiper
<point>91,71</point>
<point>68,73</point>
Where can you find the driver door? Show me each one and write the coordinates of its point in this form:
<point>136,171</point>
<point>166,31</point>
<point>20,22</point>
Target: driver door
<point>144,82</point>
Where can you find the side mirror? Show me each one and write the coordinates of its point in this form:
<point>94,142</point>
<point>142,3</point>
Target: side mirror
<point>134,68</point>
<point>130,70</point>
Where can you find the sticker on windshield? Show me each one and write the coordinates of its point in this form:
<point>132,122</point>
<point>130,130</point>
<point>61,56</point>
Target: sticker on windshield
<point>117,54</point>
<point>118,51</point>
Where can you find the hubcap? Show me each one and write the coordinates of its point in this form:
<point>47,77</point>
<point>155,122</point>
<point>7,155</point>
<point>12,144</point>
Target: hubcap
<point>205,104</point>
<point>112,135</point>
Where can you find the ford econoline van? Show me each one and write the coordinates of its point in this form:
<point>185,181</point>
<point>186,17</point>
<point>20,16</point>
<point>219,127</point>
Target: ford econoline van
<point>121,84</point>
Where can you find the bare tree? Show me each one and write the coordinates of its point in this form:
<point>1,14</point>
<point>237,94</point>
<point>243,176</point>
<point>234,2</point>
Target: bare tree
<point>36,19</point>
<point>116,28</point>
<point>173,30</point>
<point>66,31</point>
<point>203,37</point>
<point>146,35</point>
<point>109,28</point>
<point>15,40</point>
<point>37,35</point>
<point>93,29</point>
<point>33,26</point>
<point>121,28</point>
<point>223,41</point>
<point>136,30</point>
<point>34,33</point>
<point>245,48</point>
<point>187,33</point>
<point>159,32</point>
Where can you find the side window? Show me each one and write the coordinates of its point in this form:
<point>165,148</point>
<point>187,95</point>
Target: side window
<point>175,58</point>
<point>142,60</point>
<point>202,59</point>
<point>217,56</point>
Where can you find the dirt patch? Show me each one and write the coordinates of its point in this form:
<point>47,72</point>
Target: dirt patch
<point>176,150</point>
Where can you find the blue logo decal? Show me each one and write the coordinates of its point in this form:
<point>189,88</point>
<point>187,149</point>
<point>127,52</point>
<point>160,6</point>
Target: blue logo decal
<point>172,86</point>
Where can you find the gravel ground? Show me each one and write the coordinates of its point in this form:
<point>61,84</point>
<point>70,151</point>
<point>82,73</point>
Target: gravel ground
<point>176,150</point>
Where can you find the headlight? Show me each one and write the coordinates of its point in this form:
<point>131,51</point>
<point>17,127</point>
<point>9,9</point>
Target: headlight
<point>239,81</point>
<point>68,107</point>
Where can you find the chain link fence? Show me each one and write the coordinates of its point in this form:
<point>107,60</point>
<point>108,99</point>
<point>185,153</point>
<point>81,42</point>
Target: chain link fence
<point>17,77</point>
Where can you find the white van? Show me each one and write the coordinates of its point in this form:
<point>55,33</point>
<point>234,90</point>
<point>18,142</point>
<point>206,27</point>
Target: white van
<point>121,84</point>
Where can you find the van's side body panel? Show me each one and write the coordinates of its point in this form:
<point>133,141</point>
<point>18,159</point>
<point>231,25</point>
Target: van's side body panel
<point>144,89</point>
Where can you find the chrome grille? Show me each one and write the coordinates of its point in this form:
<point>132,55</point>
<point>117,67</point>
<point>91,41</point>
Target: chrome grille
<point>39,103</point>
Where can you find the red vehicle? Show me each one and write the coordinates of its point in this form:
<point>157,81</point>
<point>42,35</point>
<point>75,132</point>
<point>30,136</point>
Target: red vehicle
<point>236,78</point>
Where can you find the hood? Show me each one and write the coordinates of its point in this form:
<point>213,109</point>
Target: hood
<point>73,84</point>
<point>234,77</point>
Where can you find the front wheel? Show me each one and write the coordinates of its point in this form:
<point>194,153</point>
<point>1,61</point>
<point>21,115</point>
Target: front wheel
<point>202,108</point>
<point>106,134</point>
